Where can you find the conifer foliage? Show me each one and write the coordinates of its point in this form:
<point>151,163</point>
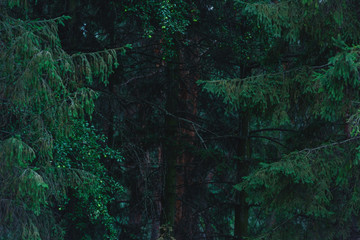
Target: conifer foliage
<point>311,192</point>
<point>45,102</point>
<point>98,144</point>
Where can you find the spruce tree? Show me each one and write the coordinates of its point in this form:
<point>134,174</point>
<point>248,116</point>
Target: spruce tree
<point>49,154</point>
<point>309,190</point>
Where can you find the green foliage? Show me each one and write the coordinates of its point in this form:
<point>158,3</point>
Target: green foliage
<point>277,18</point>
<point>339,83</point>
<point>315,186</point>
<point>269,95</point>
<point>77,160</point>
<point>44,100</point>
<point>292,66</point>
<point>168,18</point>
<point>292,20</point>
<point>312,193</point>
<point>252,92</point>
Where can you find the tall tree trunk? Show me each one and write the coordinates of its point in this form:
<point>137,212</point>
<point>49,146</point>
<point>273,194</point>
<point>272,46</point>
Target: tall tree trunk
<point>185,221</point>
<point>242,168</point>
<point>170,148</point>
<point>181,99</point>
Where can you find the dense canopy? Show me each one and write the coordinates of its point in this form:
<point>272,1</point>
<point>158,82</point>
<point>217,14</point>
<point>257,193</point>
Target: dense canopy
<point>179,119</point>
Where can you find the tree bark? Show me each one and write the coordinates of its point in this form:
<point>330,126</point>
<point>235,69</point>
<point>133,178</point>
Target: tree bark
<point>242,168</point>
<point>186,222</point>
<point>170,148</point>
<point>179,135</point>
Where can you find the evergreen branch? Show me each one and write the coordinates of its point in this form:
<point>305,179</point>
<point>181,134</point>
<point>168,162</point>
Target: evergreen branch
<point>204,182</point>
<point>179,118</point>
<point>309,150</point>
<point>270,139</point>
<point>6,132</point>
<point>273,129</point>
<point>321,66</point>
<point>264,75</point>
<point>228,136</point>
<point>275,228</point>
<point>251,136</point>
<point>143,76</point>
<point>97,52</point>
<point>250,77</point>
<point>216,236</point>
<point>51,20</point>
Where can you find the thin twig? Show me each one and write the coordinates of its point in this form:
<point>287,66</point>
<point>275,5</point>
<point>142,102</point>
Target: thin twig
<point>197,133</point>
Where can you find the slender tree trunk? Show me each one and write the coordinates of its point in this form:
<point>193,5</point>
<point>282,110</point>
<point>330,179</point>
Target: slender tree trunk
<point>155,228</point>
<point>242,168</point>
<point>110,127</point>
